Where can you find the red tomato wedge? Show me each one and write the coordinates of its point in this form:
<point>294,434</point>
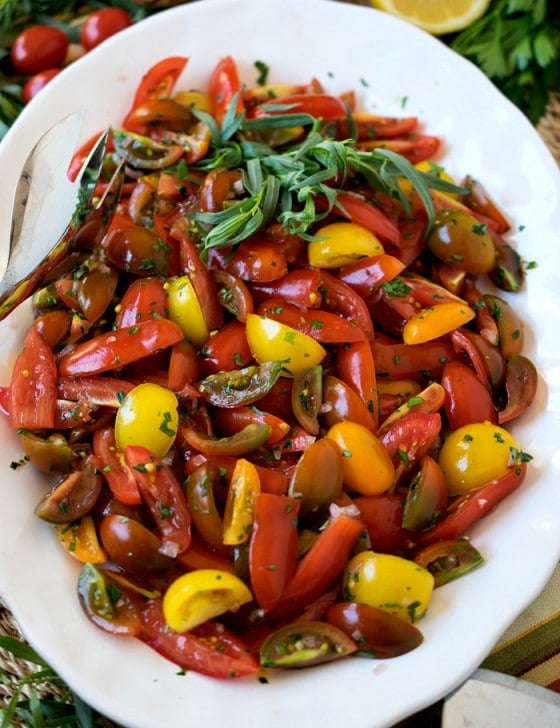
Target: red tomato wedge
<point>115,349</point>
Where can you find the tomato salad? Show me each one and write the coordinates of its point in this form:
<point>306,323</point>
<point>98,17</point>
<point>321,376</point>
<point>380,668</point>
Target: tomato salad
<point>274,393</point>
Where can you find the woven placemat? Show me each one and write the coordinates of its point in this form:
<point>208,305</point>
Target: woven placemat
<point>13,669</point>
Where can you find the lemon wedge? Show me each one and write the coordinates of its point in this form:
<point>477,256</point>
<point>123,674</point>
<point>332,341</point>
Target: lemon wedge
<point>436,16</point>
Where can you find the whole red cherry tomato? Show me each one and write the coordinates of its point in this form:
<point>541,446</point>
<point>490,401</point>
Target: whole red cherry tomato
<point>102,24</point>
<point>38,82</point>
<point>37,48</point>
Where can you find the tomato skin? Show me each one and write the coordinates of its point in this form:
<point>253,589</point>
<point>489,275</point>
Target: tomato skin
<point>122,617</point>
<point>164,496</point>
<point>102,24</point>
<point>147,416</point>
<point>37,83</point>
<point>389,582</point>
<point>470,508</point>
<point>144,300</point>
<point>448,560</point>
<point>32,391</point>
<point>202,594</point>
<point>377,632</point>
<point>223,85</point>
<point>304,643</point>
<point>323,326</point>
<point>475,454</point>
<point>356,367</point>
<point>273,546</point>
<point>344,404</point>
<point>225,350</point>
<point>114,468</point>
<point>382,516</point>
<point>366,465</point>
<point>217,652</point>
<point>134,547</point>
<point>115,349</point>
<point>321,566</point>
<point>38,48</point>
<point>467,399</point>
<point>363,213</point>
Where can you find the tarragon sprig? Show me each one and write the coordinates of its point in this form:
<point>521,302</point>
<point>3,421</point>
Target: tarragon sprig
<point>298,185</point>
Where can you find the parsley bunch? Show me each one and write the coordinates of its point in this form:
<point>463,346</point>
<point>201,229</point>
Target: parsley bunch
<point>516,43</point>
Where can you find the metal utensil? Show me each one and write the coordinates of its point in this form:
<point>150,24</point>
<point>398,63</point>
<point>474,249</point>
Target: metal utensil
<point>30,261</point>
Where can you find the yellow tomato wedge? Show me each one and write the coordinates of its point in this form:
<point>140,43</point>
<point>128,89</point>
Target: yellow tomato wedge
<point>391,583</point>
<point>431,323</point>
<point>366,465</point>
<point>239,512</point>
<point>436,16</point>
<point>200,595</point>
<point>342,243</point>
<point>80,540</point>
<point>185,310</point>
<point>271,340</point>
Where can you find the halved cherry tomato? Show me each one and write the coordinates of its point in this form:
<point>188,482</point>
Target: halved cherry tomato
<point>342,243</point>
<point>366,464</point>
<point>147,416</point>
<point>475,454</point>
<point>471,507</point>
<point>32,391</point>
<point>199,489</point>
<point>200,595</point>
<point>226,349</point>
<point>233,419</point>
<point>223,86</point>
<point>164,497</point>
<point>318,475</point>
<point>306,643</point>
<point>273,340</point>
<point>467,399</point>
<point>382,515</point>
<point>106,604</point>
<point>388,582</point>
<point>133,547</point>
<point>367,275</point>
<point>144,300</point>
<point>426,497</point>
<point>273,546</point>
<point>234,294</point>
<point>321,566</point>
<point>116,349</point>
<point>341,402</point>
<point>521,387</point>
<point>114,467</point>
<point>302,287</point>
<point>80,540</point>
<point>410,438</point>
<point>449,560</point>
<point>356,367</point>
<point>358,210</point>
<point>158,82</point>
<point>376,632</point>
<point>343,299</point>
<point>239,512</point>
<point>323,326</point>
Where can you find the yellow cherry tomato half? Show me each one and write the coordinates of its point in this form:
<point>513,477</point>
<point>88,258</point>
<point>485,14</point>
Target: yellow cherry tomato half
<point>431,323</point>
<point>366,465</point>
<point>271,340</point>
<point>475,454</point>
<point>342,243</point>
<point>185,310</point>
<point>200,595</point>
<point>239,512</point>
<point>391,583</point>
<point>148,416</point>
<point>80,539</point>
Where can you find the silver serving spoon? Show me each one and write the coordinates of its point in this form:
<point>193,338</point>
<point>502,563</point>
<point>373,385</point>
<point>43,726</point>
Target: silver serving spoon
<point>43,183</point>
